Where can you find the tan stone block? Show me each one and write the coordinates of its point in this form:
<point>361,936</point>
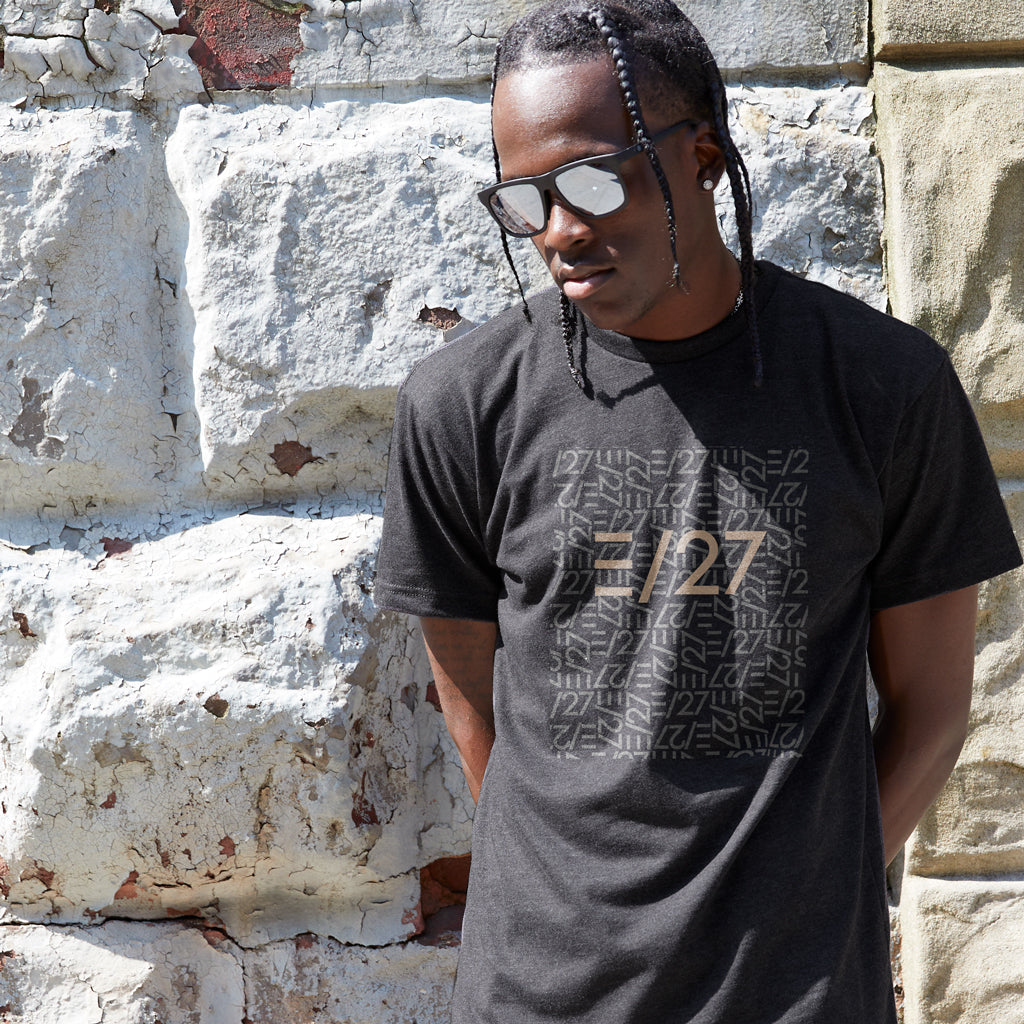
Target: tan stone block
<point>934,27</point>
<point>1003,427</point>
<point>976,826</point>
<point>952,144</point>
<point>963,951</point>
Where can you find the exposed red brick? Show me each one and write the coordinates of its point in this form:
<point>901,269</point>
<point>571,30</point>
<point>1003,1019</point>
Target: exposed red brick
<point>443,883</point>
<point>227,846</point>
<point>241,44</point>
<point>214,936</point>
<point>414,916</point>
<point>182,912</point>
<point>290,456</point>
<point>115,546</point>
<point>307,940</point>
<point>443,928</point>
<point>433,697</point>
<point>44,875</point>
<point>216,705</point>
<point>438,316</point>
<point>20,617</point>
<point>109,802</point>
<point>128,889</point>
<point>363,812</point>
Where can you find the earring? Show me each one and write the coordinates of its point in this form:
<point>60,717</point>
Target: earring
<point>708,184</point>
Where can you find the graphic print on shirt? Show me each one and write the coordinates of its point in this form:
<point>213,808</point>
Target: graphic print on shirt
<point>680,609</point>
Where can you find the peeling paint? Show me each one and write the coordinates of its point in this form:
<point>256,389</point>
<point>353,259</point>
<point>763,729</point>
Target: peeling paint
<point>29,429</point>
<point>242,44</point>
<point>291,456</point>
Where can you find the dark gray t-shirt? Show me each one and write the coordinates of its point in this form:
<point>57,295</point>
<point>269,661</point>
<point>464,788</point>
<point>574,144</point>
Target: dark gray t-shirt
<point>679,820</point>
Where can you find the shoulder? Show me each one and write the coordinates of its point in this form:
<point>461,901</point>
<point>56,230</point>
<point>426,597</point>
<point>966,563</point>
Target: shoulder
<point>479,366</point>
<point>470,360</point>
<point>846,339</point>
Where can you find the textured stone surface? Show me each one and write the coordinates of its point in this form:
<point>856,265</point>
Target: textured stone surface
<point>976,826</point>
<point>952,143</point>
<point>255,751</point>
<point>89,321</point>
<point>1003,426</point>
<point>322,982</point>
<point>963,951</point>
<point>121,973</point>
<point>59,49</point>
<point>816,183</point>
<point>907,27</point>
<point>398,41</point>
<point>317,243</point>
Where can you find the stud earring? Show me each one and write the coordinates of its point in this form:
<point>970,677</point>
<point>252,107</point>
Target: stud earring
<point>707,184</point>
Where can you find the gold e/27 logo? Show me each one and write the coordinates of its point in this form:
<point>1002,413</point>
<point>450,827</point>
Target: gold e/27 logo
<point>691,585</point>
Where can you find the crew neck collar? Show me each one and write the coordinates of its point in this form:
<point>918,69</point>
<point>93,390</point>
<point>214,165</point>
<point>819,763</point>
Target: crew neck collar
<point>733,326</point>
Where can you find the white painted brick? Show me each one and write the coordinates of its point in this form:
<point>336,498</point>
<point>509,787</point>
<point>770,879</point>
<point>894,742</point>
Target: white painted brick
<point>120,973</point>
<point>218,723</point>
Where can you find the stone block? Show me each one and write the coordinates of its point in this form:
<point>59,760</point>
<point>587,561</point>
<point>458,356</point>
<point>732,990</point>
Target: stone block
<point>309,980</point>
<point>816,182</point>
<point>120,973</point>
<point>219,724</point>
<point>1002,424</point>
<point>328,244</point>
<point>64,49</point>
<point>397,41</point>
<point>963,951</point>
<point>932,28</point>
<point>86,327</point>
<point>952,143</point>
<point>976,826</point>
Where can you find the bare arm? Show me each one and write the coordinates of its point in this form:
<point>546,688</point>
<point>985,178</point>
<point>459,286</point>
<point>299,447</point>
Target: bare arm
<point>461,654</point>
<point>922,661</point>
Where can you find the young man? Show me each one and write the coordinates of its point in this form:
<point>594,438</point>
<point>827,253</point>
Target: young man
<point>650,581</point>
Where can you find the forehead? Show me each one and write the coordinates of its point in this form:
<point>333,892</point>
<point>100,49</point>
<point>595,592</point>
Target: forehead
<point>546,116</point>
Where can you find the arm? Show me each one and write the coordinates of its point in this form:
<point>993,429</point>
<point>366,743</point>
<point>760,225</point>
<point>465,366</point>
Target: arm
<point>922,661</point>
<point>461,654</point>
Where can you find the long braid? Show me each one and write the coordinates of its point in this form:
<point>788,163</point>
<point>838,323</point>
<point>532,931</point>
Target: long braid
<point>569,317</point>
<point>743,201</point>
<point>497,177</point>
<point>606,26</point>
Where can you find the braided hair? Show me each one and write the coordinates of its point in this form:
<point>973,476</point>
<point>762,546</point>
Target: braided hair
<point>654,41</point>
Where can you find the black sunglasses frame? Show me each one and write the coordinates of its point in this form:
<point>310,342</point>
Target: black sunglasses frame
<point>545,183</point>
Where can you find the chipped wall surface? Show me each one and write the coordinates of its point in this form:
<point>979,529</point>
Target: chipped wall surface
<point>229,228</point>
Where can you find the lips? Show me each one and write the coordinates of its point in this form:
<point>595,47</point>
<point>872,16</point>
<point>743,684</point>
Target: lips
<point>580,283</point>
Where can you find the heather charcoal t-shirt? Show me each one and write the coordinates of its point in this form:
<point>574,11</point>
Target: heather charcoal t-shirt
<point>679,820</point>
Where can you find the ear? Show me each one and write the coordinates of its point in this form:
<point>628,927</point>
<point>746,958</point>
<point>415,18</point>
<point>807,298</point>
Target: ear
<point>708,152</point>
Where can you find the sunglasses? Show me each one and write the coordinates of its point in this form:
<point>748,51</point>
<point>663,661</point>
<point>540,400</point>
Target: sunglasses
<point>592,187</point>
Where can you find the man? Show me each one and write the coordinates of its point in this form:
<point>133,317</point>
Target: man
<point>649,583</point>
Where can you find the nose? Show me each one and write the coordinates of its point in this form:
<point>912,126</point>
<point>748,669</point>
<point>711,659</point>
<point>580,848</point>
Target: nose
<point>565,227</point>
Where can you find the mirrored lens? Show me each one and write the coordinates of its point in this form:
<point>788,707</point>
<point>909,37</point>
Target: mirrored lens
<point>592,189</point>
<point>520,208</point>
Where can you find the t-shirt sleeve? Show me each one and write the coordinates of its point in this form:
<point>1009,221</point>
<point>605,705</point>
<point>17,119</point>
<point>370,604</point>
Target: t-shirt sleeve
<point>433,558</point>
<point>945,525</point>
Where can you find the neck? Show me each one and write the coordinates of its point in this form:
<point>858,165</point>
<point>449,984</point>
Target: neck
<point>708,293</point>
